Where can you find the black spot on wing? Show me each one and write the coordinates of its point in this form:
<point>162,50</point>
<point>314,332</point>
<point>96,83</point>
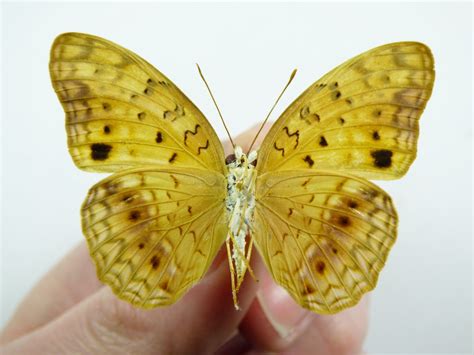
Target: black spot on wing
<point>352,204</point>
<point>173,158</point>
<point>134,215</point>
<point>320,266</point>
<point>344,221</point>
<point>100,151</point>
<point>308,160</point>
<point>159,137</point>
<point>382,158</point>
<point>323,142</point>
<point>155,262</point>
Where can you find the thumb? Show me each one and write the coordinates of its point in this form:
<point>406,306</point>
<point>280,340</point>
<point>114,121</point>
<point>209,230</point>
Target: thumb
<point>199,323</point>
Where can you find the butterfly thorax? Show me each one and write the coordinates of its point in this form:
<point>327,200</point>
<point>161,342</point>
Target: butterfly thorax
<point>240,204</point>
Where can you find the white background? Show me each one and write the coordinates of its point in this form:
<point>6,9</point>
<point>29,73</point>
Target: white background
<point>424,299</point>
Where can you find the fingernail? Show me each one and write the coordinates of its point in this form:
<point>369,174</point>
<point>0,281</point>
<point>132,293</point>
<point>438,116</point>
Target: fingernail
<point>287,317</point>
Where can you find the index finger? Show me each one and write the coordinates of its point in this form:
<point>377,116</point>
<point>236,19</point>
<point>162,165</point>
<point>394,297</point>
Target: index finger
<point>199,323</point>
<point>66,284</point>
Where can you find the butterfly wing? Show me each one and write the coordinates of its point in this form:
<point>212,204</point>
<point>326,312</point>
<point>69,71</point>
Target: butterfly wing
<point>360,118</point>
<point>121,112</point>
<point>323,230</point>
<point>324,236</point>
<point>153,232</point>
<point>153,227</point>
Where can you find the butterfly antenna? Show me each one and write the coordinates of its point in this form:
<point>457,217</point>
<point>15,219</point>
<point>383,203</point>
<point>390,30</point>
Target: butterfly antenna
<point>271,110</point>
<point>217,107</point>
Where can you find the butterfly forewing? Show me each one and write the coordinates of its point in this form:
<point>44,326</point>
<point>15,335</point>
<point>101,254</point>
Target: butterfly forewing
<point>122,112</point>
<point>360,118</point>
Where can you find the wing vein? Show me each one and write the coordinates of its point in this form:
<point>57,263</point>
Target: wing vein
<point>332,226</point>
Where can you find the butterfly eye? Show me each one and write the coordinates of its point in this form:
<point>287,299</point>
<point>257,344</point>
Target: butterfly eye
<point>230,159</point>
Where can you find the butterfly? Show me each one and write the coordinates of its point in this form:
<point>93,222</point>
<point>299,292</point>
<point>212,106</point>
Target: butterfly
<point>303,199</point>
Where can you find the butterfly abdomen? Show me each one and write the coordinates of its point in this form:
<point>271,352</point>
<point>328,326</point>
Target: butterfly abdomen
<point>240,204</point>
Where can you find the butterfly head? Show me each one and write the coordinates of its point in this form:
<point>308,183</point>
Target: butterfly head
<point>241,160</point>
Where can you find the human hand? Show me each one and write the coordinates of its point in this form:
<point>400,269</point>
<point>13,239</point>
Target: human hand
<point>70,311</point>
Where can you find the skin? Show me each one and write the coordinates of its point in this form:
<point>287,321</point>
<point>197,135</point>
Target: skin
<point>70,311</point>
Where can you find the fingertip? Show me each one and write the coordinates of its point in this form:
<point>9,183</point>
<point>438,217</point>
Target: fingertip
<point>274,321</point>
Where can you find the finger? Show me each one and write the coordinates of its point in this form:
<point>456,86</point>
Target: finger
<point>237,345</point>
<point>66,284</point>
<point>276,323</point>
<point>274,320</point>
<point>342,333</point>
<point>200,323</point>
<point>69,282</point>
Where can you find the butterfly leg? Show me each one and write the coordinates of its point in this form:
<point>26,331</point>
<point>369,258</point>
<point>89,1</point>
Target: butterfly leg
<point>236,277</point>
<point>247,263</point>
<point>249,255</point>
<point>232,274</point>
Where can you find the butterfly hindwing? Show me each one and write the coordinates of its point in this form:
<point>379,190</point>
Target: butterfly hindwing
<point>324,236</point>
<point>122,112</point>
<point>360,118</point>
<point>153,233</point>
